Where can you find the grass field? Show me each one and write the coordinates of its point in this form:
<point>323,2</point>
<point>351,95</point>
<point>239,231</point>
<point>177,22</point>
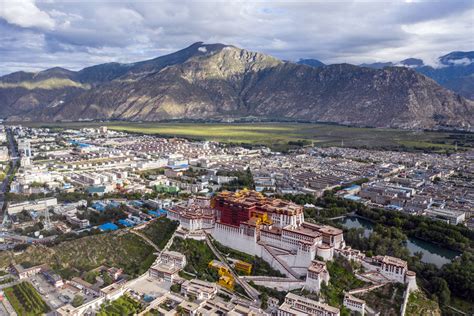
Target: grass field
<point>25,300</point>
<point>160,231</point>
<point>71,258</point>
<point>278,135</point>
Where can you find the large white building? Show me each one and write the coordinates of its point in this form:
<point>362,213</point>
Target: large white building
<point>272,229</point>
<point>354,304</point>
<point>4,156</point>
<point>36,205</point>
<point>394,269</point>
<point>169,263</point>
<point>201,290</point>
<point>296,305</point>
<point>443,214</point>
<point>192,217</point>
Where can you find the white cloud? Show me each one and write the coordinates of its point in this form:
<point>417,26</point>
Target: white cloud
<point>25,13</point>
<point>81,33</point>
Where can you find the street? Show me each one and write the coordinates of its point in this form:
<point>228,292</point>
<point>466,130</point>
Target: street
<point>14,156</point>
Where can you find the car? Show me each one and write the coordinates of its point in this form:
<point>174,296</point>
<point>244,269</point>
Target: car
<point>64,298</point>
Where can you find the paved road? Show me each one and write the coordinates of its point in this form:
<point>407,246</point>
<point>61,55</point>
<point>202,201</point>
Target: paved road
<point>14,158</point>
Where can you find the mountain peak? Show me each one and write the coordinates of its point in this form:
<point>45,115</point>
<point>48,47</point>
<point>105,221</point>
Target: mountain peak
<point>201,48</point>
<point>311,62</point>
<point>209,81</point>
<point>412,62</point>
<point>457,58</point>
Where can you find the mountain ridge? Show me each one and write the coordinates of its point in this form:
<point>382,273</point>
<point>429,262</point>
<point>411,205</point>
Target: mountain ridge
<point>215,81</point>
<point>454,71</point>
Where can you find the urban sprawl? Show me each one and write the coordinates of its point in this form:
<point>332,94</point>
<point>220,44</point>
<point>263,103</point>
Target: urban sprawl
<point>231,200</point>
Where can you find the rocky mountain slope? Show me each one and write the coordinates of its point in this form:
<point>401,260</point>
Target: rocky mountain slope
<point>218,81</point>
<point>455,71</point>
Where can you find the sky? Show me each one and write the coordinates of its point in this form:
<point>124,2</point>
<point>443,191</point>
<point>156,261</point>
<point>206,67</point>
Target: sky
<point>39,34</point>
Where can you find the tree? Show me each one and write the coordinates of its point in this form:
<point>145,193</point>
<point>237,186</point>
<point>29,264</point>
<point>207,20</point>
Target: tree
<point>78,300</point>
<point>107,279</point>
<point>175,288</point>
<point>90,277</point>
<point>264,299</point>
<point>441,290</point>
<point>460,275</point>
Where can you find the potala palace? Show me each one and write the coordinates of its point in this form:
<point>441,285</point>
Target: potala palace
<point>276,231</point>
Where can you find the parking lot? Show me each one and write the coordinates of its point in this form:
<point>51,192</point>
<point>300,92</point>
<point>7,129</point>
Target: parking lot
<point>149,286</point>
<point>56,297</point>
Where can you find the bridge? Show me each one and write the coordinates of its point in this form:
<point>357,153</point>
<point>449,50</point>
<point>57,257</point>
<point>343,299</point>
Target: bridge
<point>342,216</point>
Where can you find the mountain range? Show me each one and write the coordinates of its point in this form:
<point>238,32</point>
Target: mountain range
<point>454,71</point>
<point>216,81</point>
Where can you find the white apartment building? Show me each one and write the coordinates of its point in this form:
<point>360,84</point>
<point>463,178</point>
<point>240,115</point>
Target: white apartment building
<point>443,214</point>
<point>36,205</point>
<point>354,304</point>
<point>296,305</point>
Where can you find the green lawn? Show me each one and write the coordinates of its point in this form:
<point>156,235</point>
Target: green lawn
<point>278,135</point>
<point>25,299</point>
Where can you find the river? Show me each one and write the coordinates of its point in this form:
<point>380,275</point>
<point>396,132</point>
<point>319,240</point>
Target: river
<point>432,253</point>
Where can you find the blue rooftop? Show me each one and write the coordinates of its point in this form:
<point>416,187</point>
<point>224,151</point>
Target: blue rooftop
<point>125,222</point>
<point>184,165</point>
<point>352,187</point>
<point>98,206</point>
<point>137,203</point>
<point>92,189</point>
<point>157,213</point>
<point>76,143</point>
<point>108,227</point>
<point>351,197</point>
<point>114,204</point>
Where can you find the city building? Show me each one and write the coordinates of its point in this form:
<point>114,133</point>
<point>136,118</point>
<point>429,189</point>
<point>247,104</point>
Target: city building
<point>36,205</point>
<point>53,278</point>
<point>168,264</point>
<point>316,276</point>
<point>295,305</point>
<point>443,214</point>
<point>201,290</point>
<point>192,217</point>
<point>24,273</point>
<point>354,304</point>
<point>394,269</point>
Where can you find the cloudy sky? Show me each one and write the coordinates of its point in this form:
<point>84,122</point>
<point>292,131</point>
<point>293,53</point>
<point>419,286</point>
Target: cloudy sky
<point>37,34</point>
